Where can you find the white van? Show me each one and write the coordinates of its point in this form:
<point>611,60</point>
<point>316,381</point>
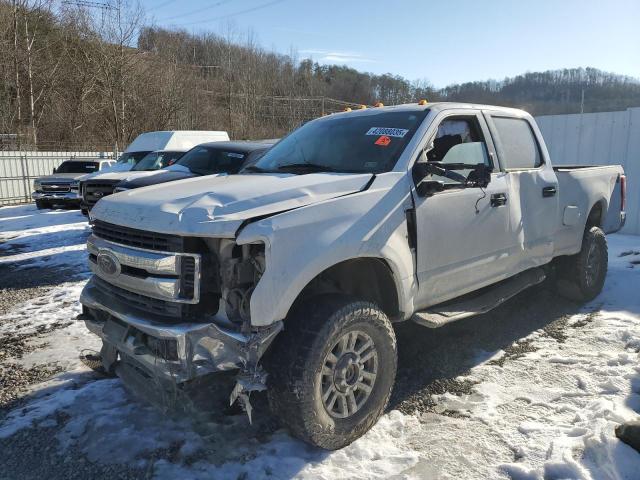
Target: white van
<point>100,184</point>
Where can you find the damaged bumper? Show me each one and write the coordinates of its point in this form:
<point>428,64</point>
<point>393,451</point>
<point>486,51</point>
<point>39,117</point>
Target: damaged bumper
<point>170,351</point>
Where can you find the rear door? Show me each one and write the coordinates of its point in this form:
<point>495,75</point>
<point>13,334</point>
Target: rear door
<point>464,235</point>
<point>532,185</point>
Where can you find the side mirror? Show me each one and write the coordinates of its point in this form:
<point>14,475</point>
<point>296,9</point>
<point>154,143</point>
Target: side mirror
<point>54,171</point>
<point>426,188</point>
<point>480,176</point>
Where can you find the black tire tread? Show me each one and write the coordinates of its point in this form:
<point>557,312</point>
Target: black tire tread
<point>291,384</point>
<point>569,282</point>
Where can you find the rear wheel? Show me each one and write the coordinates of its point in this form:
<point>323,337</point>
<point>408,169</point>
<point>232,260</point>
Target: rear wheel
<point>580,277</point>
<point>332,370</point>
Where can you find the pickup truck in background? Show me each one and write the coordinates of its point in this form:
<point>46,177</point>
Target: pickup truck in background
<point>61,187</point>
<point>215,158</point>
<point>146,146</point>
<point>292,273</point>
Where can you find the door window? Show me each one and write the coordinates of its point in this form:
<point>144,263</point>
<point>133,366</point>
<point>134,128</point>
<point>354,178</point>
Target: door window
<point>458,140</point>
<point>518,147</point>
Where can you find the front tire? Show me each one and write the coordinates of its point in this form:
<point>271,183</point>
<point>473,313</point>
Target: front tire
<point>332,370</point>
<point>41,204</point>
<point>581,276</point>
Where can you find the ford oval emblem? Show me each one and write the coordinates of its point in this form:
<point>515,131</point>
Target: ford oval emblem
<point>108,264</point>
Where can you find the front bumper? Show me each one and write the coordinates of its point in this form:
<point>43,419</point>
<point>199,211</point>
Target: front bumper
<point>176,352</point>
<point>66,197</point>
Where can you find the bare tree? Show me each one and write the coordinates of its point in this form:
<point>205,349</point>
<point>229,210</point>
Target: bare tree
<point>17,70</point>
<point>118,63</point>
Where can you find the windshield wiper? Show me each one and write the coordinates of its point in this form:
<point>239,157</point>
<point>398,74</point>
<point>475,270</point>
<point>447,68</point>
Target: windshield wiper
<point>255,168</point>
<point>202,173</point>
<point>311,167</point>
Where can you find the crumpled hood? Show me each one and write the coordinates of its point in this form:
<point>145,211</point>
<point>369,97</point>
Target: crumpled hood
<point>217,206</point>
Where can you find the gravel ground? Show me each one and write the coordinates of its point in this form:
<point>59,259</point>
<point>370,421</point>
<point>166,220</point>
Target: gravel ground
<point>431,362</point>
<point>20,285</point>
<point>17,287</point>
<point>31,454</point>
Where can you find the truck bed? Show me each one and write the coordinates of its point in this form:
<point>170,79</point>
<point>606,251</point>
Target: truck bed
<point>581,186</point>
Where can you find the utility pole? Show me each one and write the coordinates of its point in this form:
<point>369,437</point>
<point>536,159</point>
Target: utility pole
<point>16,64</point>
<point>103,6</point>
<point>582,102</point>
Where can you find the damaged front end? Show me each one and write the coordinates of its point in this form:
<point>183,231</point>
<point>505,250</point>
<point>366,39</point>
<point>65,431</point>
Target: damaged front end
<point>172,309</point>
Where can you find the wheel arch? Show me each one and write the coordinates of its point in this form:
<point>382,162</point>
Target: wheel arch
<point>368,278</point>
<point>596,215</point>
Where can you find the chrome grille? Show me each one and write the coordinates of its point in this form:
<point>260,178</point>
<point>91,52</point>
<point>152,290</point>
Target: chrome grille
<point>137,238</point>
<point>140,302</point>
<point>187,276</point>
<point>167,276</point>
<point>55,188</point>
<point>94,191</point>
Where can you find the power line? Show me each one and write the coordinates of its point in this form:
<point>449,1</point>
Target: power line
<point>103,6</point>
<point>193,12</point>
<point>163,4</point>
<point>241,12</point>
<point>88,4</point>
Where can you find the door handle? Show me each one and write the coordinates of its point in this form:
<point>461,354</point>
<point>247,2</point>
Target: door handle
<point>549,191</point>
<point>498,199</point>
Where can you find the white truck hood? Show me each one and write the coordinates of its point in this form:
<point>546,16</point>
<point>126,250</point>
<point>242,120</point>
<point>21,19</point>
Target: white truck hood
<point>108,175</point>
<point>217,206</point>
<point>119,175</point>
<point>61,177</point>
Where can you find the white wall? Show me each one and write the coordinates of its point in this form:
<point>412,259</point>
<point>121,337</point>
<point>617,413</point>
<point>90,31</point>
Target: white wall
<point>599,139</point>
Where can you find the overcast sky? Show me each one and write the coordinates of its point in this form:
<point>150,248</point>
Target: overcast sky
<point>445,41</point>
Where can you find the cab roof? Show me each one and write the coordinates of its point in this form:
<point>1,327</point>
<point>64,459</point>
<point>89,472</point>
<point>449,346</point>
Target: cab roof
<point>437,106</point>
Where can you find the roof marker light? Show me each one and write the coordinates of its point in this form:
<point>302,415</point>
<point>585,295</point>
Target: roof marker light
<point>379,104</point>
<point>422,102</point>
<point>347,109</point>
<point>362,107</point>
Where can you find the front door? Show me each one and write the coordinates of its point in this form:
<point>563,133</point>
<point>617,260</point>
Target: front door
<point>464,236</point>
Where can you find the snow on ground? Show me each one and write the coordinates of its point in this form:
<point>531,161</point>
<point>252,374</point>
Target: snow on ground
<point>547,413</point>
<point>31,238</point>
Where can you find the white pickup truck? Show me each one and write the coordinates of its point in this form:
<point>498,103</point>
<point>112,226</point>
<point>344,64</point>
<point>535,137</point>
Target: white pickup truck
<point>292,273</point>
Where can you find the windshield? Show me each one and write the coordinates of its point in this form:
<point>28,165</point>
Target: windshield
<point>132,157</point>
<point>157,160</point>
<point>204,160</point>
<point>77,167</point>
<point>369,141</point>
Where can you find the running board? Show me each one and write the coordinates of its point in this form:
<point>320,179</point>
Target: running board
<point>440,315</point>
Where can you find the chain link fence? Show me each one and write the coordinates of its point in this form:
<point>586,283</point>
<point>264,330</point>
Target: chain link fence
<point>18,169</point>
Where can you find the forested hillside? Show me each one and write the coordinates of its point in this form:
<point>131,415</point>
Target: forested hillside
<point>71,78</point>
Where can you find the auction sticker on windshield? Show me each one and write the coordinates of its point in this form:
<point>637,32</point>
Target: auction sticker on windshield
<point>383,140</point>
<point>389,132</point>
